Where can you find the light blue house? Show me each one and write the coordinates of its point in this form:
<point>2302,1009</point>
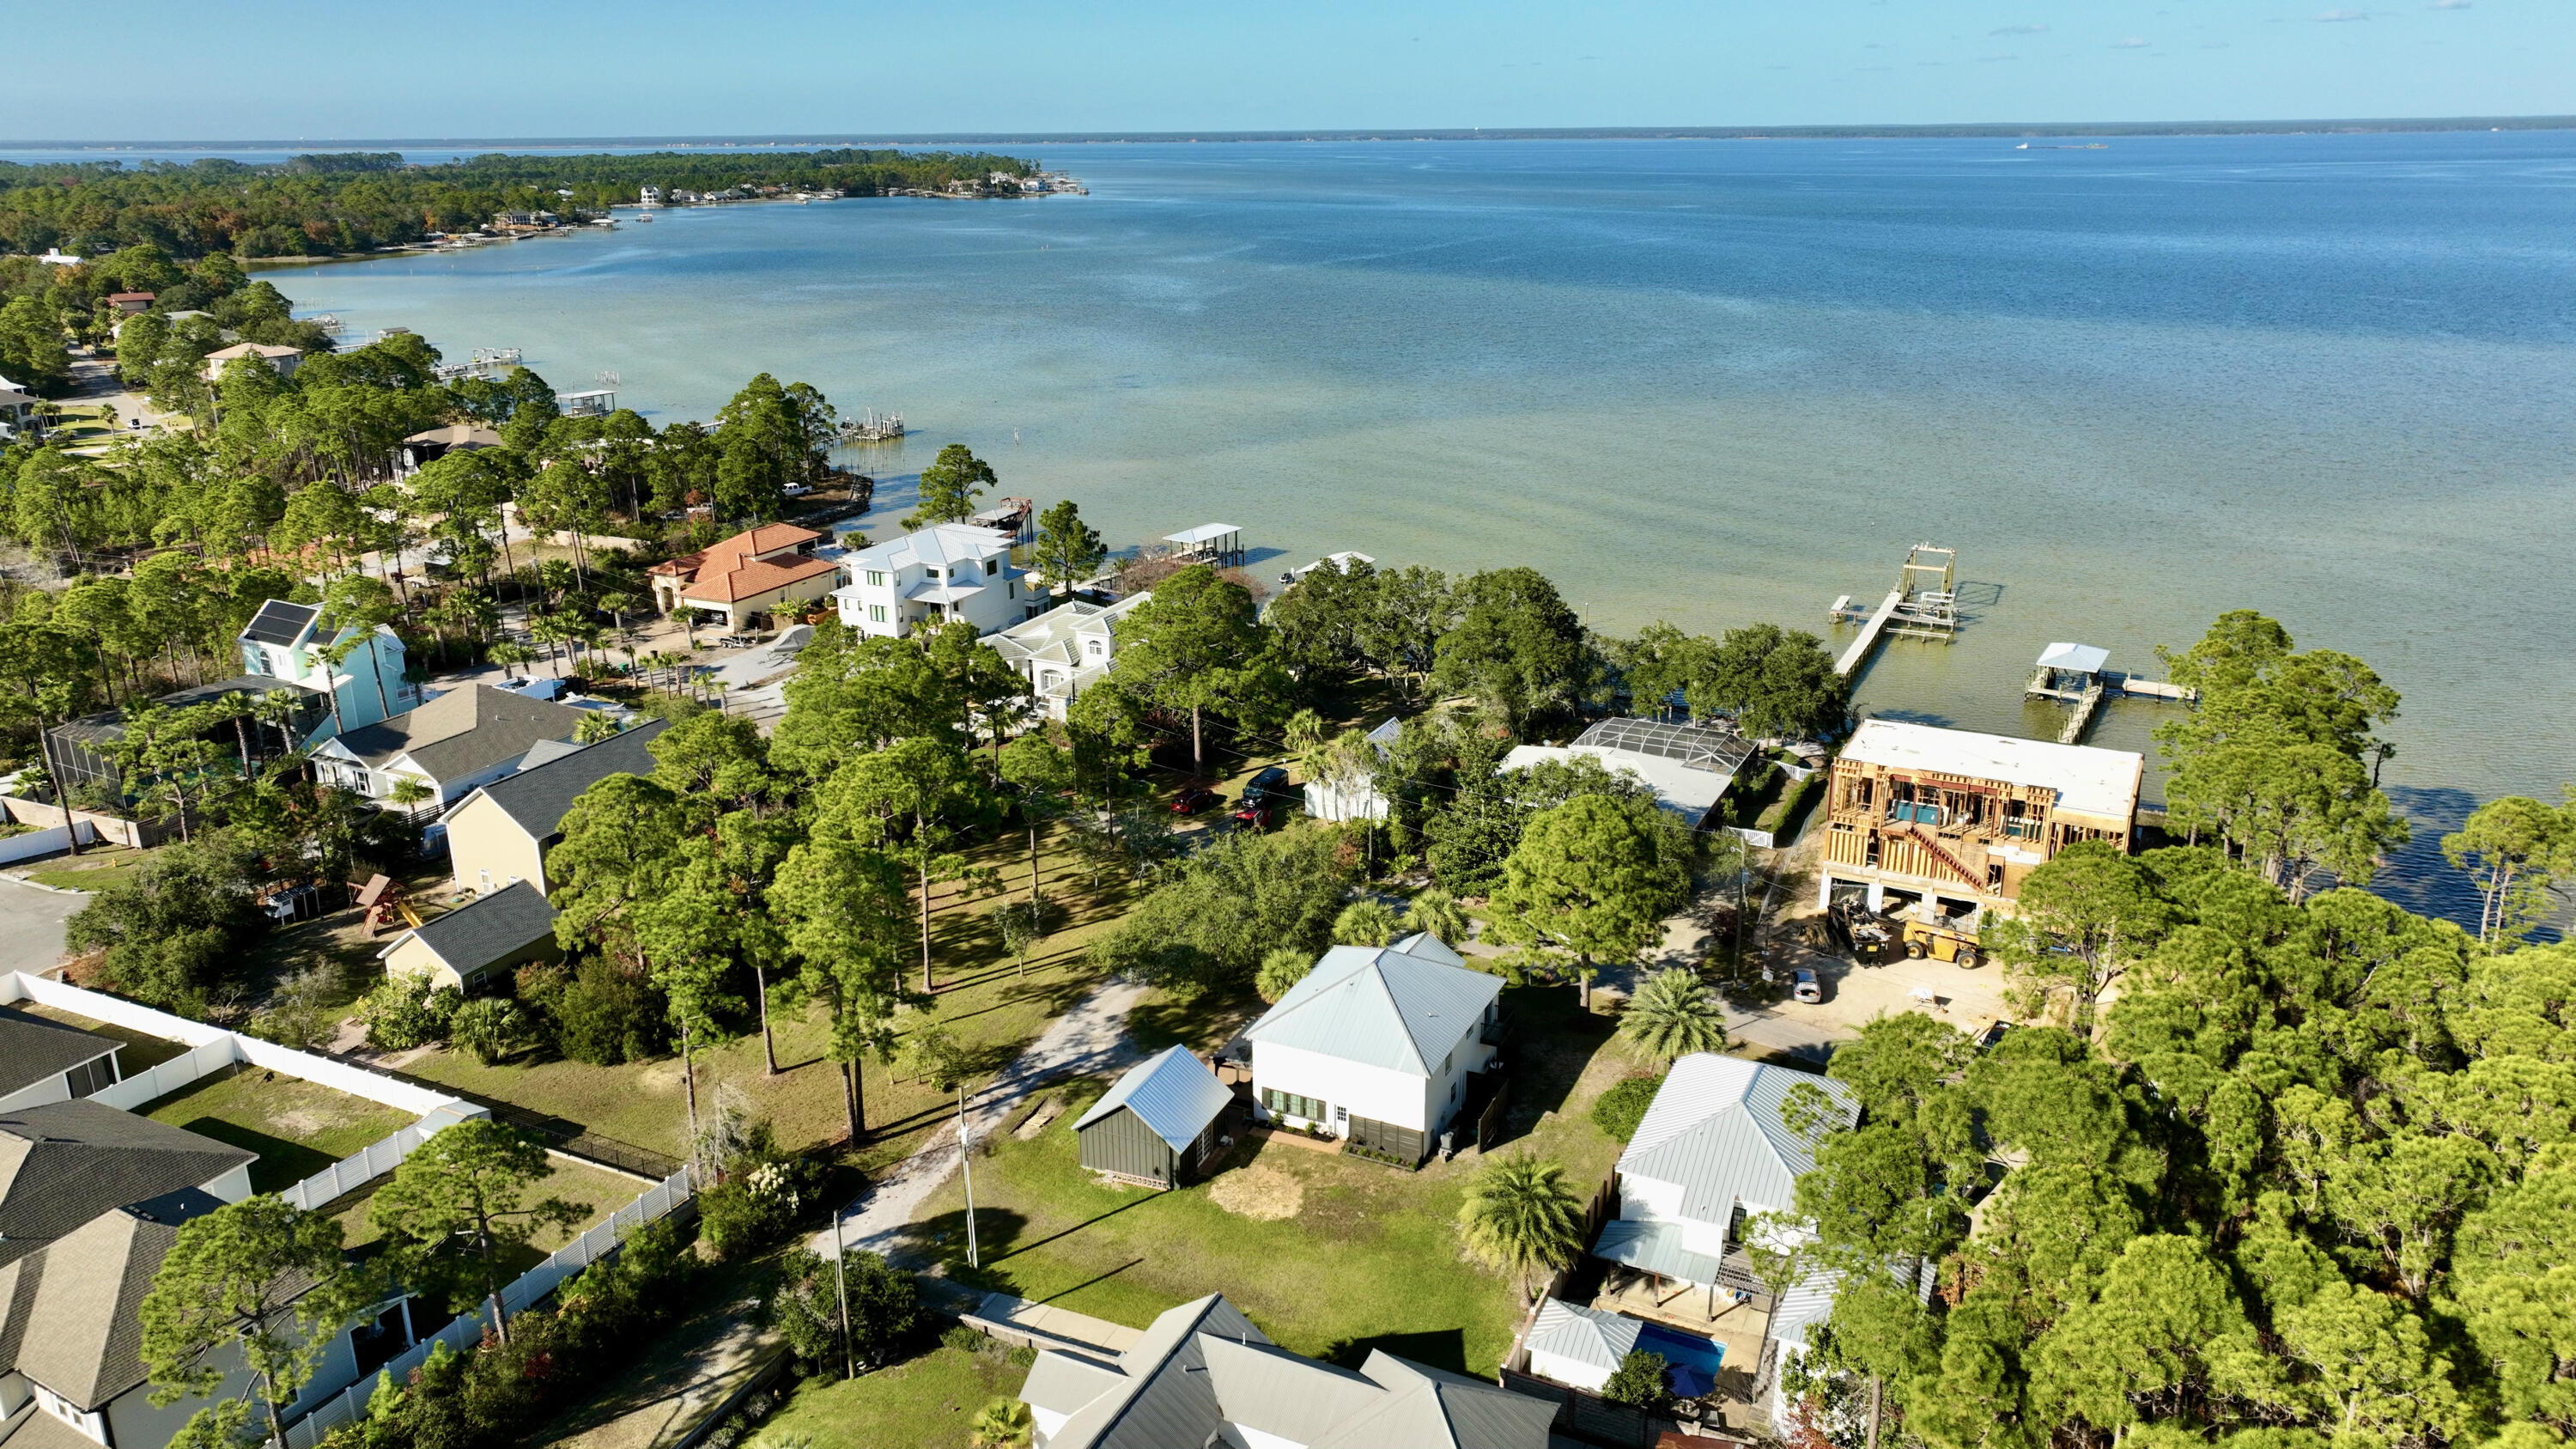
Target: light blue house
<point>286,641</point>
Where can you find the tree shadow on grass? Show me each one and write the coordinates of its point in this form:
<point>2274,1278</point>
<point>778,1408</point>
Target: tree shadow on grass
<point>1553,1039</point>
<point>1203,1024</point>
<point>1443,1348</point>
<point>281,1165</point>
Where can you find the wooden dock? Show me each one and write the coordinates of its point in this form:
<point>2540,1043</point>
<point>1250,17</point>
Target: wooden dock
<point>1858,654</point>
<point>2087,705</point>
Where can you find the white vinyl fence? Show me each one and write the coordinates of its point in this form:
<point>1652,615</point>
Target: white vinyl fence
<point>202,1060</point>
<point>43,842</point>
<point>655,1202</point>
<point>374,1160</point>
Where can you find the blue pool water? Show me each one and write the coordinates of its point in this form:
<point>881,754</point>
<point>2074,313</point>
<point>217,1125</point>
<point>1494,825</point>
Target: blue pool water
<point>1695,1360</point>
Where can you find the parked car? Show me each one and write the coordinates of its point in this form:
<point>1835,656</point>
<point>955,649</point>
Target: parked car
<point>1253,814</point>
<point>1194,799</point>
<point>1805,985</point>
<point>1266,787</point>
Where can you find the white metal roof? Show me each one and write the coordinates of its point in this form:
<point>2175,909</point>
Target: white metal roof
<point>2082,658</point>
<point>938,544</point>
<point>2093,781</point>
<point>1204,533</point>
<point>1685,790</point>
<point>1402,1007</point>
<point>1715,1128</point>
<point>1591,1336</point>
<point>1174,1094</point>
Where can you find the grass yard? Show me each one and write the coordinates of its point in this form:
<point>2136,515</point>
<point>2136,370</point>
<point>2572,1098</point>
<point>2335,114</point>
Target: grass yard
<point>600,1191</point>
<point>1331,1255</point>
<point>983,1001</point>
<point>924,1403</point>
<point>296,1127</point>
<point>95,868</point>
<point>137,1051</point>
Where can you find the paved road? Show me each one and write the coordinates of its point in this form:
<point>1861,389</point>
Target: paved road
<point>31,924</point>
<point>1090,1038</point>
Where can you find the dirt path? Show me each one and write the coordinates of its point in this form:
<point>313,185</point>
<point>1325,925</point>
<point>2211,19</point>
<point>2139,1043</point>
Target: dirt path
<point>1090,1038</point>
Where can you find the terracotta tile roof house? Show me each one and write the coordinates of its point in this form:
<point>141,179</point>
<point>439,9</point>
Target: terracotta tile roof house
<point>758,571</point>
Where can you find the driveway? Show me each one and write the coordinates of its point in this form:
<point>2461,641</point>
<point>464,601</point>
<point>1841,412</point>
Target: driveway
<point>31,924</point>
<point>1090,1038</point>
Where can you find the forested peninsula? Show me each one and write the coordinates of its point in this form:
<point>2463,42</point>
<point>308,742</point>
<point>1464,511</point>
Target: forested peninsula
<point>335,204</point>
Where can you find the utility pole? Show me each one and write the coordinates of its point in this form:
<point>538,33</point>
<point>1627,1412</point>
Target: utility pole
<point>966,1159</point>
<point>840,1290</point>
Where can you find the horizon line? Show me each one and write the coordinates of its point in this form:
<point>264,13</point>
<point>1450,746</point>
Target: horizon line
<point>825,139</point>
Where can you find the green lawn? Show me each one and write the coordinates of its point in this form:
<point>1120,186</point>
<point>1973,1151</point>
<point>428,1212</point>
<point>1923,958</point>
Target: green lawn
<point>925,1403</point>
<point>296,1127</point>
<point>95,868</point>
<point>137,1051</point>
<point>1332,1256</point>
<point>599,1191</point>
<point>983,1001</point>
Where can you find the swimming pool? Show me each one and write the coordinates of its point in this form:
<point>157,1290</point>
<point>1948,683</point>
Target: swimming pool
<point>1695,1360</point>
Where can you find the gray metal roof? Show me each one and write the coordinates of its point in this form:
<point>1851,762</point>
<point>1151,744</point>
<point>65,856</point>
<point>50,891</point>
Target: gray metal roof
<point>1426,1408</point>
<point>1586,1335</point>
<point>1276,1392</point>
<point>1807,1304</point>
<point>1402,1007</point>
<point>1715,1128</point>
<point>33,1049</point>
<point>476,935</point>
<point>538,798</point>
<point>1163,1397</point>
<point>2082,658</point>
<point>281,621</point>
<point>1174,1094</point>
<point>1700,746</point>
<point>1656,1248</point>
<point>64,1163</point>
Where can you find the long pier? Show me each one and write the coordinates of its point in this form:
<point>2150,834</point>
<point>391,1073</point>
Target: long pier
<point>1858,654</point>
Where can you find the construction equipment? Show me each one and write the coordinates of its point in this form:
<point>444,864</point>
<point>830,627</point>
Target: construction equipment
<point>384,899</point>
<point>1941,943</point>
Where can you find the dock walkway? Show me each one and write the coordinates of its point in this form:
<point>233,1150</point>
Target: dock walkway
<point>1858,653</point>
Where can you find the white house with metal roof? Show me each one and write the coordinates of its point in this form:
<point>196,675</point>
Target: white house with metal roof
<point>1158,1124</point>
<point>1203,1374</point>
<point>1377,1043</point>
<point>944,573</point>
<point>1579,1346</point>
<point>1065,650</point>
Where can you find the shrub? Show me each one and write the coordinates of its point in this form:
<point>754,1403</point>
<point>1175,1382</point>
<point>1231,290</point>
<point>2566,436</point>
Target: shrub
<point>1281,970</point>
<point>756,1202</point>
<point>884,1307</point>
<point>492,1027</point>
<point>965,1338</point>
<point>1624,1106</point>
<point>403,1012</point>
<point>1643,1379</point>
<point>605,1017</point>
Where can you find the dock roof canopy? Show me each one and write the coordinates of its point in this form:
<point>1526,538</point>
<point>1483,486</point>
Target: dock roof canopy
<point>2079,658</point>
<point>1204,533</point>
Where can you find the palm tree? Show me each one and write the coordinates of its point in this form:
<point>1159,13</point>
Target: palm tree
<point>1438,912</point>
<point>1001,1424</point>
<point>506,654</point>
<point>409,794</point>
<point>1672,1015</point>
<point>1522,1217</point>
<point>1365,922</point>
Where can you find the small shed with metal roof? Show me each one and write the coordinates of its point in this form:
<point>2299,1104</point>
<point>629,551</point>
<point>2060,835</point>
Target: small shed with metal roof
<point>1159,1124</point>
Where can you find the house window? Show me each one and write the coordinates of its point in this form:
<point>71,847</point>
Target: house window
<point>1289,1104</point>
<point>930,574</point>
<point>992,566</point>
<point>876,613</point>
<point>876,578</point>
<point>1095,648</point>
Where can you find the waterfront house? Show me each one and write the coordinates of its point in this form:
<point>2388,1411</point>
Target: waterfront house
<point>1689,766</point>
<point>460,739</point>
<point>1065,650</point>
<point>1342,793</point>
<point>768,570</point>
<point>1942,826</point>
<point>479,943</point>
<point>45,1061</point>
<point>1203,1374</point>
<point>943,574</point>
<point>1158,1124</point>
<point>1378,1045</point>
<point>435,443</point>
<point>280,360</point>
<point>500,833</point>
<point>17,405</point>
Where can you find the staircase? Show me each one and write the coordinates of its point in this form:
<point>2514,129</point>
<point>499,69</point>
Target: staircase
<point>1940,854</point>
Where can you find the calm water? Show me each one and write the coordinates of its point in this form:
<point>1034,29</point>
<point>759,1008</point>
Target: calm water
<point>1714,382</point>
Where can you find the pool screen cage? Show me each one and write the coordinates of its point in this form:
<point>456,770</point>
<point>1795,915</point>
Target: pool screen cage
<point>1700,746</point>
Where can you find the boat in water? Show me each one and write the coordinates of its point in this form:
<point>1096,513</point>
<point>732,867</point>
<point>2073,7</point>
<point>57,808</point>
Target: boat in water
<point>643,216</point>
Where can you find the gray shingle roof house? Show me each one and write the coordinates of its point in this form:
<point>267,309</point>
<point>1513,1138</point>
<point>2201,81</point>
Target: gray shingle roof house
<point>64,1163</point>
<point>1158,1123</point>
<point>1203,1375</point>
<point>1376,1044</point>
<point>500,832</point>
<point>46,1061</point>
<point>485,938</point>
<point>467,736</point>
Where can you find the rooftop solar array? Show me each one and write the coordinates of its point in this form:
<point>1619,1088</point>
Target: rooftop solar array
<point>280,622</point>
<point>1702,747</point>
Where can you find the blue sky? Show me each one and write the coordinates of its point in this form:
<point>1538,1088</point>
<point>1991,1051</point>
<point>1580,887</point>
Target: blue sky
<point>316,69</point>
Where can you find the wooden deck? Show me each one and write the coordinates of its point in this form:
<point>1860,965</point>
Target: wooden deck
<point>1858,654</point>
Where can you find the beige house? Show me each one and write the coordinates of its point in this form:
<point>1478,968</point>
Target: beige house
<point>771,569</point>
<point>499,834</point>
<point>478,944</point>
<point>281,360</point>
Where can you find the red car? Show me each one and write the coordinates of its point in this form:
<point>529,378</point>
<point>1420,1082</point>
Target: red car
<point>1193,800</point>
<point>1254,813</point>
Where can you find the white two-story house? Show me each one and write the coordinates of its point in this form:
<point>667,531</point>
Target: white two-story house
<point>1377,1044</point>
<point>1065,650</point>
<point>287,641</point>
<point>945,573</point>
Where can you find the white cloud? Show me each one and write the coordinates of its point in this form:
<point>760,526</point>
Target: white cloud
<point>2129,42</point>
<point>2020,30</point>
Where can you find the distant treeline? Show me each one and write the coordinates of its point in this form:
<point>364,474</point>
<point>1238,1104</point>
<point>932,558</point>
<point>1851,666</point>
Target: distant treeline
<point>327,205</point>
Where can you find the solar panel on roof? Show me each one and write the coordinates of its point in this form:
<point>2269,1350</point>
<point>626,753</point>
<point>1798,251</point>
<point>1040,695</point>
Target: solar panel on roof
<point>281,622</point>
